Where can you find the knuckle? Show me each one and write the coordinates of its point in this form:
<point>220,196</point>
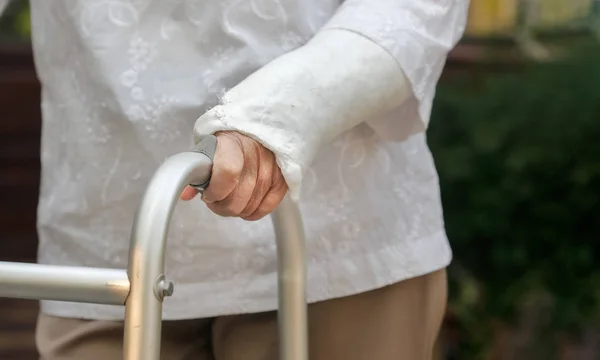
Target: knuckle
<point>229,170</point>
<point>215,208</point>
<point>223,209</point>
<point>232,209</point>
<point>249,209</point>
<point>266,207</point>
<point>256,215</point>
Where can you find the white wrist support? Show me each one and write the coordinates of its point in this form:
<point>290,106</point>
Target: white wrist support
<point>308,96</point>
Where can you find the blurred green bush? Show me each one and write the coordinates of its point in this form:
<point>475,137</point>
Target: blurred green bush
<point>15,22</point>
<point>519,166</point>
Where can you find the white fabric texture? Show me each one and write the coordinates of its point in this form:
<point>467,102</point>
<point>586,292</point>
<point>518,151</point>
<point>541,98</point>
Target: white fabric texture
<point>307,97</point>
<point>125,81</point>
<point>419,34</point>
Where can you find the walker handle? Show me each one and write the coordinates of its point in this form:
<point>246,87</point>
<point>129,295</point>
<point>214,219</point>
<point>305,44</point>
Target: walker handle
<point>146,263</point>
<point>143,286</point>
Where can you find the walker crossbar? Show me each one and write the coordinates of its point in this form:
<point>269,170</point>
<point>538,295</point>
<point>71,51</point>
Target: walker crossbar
<point>63,283</point>
<point>143,286</point>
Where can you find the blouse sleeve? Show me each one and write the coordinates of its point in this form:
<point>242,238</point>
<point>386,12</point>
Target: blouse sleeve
<point>374,61</point>
<point>418,34</point>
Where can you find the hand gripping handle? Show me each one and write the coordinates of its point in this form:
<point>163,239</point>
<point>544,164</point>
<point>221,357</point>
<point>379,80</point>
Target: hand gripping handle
<point>146,261</point>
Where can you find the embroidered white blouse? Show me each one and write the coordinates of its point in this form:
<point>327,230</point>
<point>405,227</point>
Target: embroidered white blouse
<point>124,82</point>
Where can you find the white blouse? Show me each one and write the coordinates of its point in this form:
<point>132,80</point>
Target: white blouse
<point>123,83</point>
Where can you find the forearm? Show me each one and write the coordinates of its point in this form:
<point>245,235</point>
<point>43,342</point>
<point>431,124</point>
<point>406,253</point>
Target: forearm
<point>308,96</point>
<point>417,33</point>
<point>371,58</point>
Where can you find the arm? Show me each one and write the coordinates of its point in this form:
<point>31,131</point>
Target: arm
<point>372,58</point>
<point>417,33</point>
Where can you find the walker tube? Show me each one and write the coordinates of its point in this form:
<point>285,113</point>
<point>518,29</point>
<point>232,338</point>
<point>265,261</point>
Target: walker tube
<point>143,286</point>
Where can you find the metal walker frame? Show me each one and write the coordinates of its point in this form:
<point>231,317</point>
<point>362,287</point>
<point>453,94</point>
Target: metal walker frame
<point>143,286</point>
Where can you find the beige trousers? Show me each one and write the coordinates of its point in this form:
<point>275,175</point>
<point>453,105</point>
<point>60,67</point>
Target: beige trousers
<point>397,322</point>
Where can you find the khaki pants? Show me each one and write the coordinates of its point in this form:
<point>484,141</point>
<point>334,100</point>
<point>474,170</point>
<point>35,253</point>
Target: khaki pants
<point>397,322</point>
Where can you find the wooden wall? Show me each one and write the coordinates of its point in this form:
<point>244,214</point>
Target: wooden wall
<point>19,180</point>
<point>19,155</point>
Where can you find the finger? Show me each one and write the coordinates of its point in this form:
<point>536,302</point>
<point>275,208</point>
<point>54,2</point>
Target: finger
<point>237,200</point>
<point>264,181</point>
<point>188,193</point>
<point>269,202</point>
<point>226,170</point>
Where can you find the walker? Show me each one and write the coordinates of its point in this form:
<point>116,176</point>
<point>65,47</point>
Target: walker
<point>143,286</point>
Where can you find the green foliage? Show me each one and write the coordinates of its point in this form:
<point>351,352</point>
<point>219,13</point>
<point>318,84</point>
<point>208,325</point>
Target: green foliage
<point>519,168</point>
<point>15,25</point>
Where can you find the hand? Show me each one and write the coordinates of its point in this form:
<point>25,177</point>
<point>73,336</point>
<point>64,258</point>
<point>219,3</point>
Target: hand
<point>245,181</point>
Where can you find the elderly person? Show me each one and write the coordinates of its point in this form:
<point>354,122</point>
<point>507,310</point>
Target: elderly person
<point>334,96</point>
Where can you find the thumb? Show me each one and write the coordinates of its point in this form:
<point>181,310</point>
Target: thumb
<point>188,193</point>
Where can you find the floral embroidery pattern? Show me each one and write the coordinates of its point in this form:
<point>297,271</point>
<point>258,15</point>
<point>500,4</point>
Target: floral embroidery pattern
<point>124,81</point>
